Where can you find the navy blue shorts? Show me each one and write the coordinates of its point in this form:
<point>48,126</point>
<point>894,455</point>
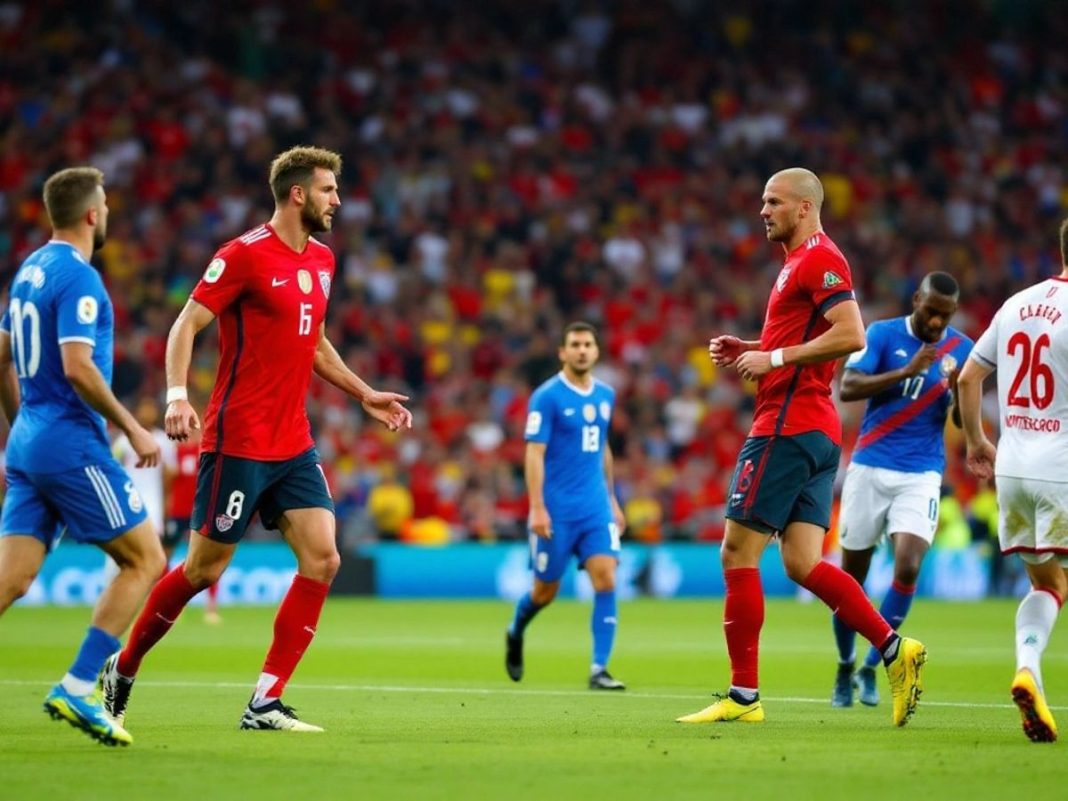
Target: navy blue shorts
<point>783,480</point>
<point>231,489</point>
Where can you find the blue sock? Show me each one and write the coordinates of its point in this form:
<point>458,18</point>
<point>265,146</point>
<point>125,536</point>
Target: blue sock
<point>525,610</point>
<point>97,646</point>
<point>603,626</point>
<point>846,639</point>
<point>894,608</point>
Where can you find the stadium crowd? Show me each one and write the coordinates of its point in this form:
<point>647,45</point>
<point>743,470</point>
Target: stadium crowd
<point>510,167</point>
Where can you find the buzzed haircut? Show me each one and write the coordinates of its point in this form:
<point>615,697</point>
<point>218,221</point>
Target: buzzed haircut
<point>297,166</point>
<point>579,326</point>
<point>69,193</point>
<point>805,183</point>
<point>1064,241</point>
<point>941,284</point>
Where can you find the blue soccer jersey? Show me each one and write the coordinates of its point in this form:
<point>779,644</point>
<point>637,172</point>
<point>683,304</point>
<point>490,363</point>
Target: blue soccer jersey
<point>903,426</point>
<point>56,297</point>
<point>573,425</point>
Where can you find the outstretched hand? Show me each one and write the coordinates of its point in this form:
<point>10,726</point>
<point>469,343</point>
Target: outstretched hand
<point>386,408</point>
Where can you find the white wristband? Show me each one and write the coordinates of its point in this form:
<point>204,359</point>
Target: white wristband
<point>776,358</point>
<point>176,394</point>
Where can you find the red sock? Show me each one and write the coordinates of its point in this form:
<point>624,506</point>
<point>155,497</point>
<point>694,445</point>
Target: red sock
<point>166,601</point>
<point>294,627</point>
<point>743,617</point>
<point>213,595</point>
<point>846,598</point>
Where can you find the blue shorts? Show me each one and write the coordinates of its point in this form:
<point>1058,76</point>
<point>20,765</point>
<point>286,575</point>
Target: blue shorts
<point>783,480</point>
<point>230,489</point>
<point>95,504</point>
<point>582,538</point>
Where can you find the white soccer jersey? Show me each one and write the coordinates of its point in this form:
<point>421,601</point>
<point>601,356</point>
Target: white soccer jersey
<point>1028,344</point>
<point>148,480</point>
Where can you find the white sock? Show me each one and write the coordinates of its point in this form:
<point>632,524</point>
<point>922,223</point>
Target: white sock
<point>265,683</point>
<point>1034,621</point>
<point>77,687</point>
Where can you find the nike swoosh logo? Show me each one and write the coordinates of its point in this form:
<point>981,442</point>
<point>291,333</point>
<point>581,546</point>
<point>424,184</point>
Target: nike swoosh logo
<point>279,282</point>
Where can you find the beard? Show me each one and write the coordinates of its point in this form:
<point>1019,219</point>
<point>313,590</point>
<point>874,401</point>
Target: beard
<point>315,221</point>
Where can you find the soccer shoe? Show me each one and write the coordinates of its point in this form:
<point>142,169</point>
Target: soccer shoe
<point>726,710</point>
<point>867,691</point>
<point>274,715</point>
<point>842,692</point>
<point>513,656</point>
<point>1038,723</point>
<point>602,680</point>
<point>114,689</point>
<point>905,673</point>
<point>87,713</point>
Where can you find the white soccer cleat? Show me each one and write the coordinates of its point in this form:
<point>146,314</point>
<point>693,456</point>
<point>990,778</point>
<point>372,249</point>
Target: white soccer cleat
<point>274,716</point>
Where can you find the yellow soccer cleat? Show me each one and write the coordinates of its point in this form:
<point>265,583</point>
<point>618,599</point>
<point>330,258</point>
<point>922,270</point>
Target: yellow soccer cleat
<point>726,710</point>
<point>906,678</point>
<point>1038,722</point>
<point>87,713</point>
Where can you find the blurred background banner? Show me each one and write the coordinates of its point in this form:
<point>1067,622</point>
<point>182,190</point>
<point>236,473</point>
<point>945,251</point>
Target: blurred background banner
<point>261,573</point>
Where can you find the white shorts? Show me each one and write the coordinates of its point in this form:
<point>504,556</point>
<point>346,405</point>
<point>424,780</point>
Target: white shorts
<point>1033,518</point>
<point>877,501</point>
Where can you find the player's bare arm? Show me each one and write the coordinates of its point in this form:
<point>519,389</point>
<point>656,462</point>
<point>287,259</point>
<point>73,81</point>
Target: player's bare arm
<point>9,381</point>
<point>180,418</point>
<point>386,407</point>
<point>861,386</point>
<point>85,377</point>
<point>725,349</point>
<point>845,336</point>
<point>534,474</point>
<point>610,481</point>
<point>981,451</point>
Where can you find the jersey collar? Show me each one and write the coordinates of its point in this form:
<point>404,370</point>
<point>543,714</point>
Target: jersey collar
<point>579,390</point>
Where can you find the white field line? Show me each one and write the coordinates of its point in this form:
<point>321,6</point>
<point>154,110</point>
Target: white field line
<point>390,688</point>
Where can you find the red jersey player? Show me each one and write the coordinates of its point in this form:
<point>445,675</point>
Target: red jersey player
<point>784,479</point>
<point>269,289</point>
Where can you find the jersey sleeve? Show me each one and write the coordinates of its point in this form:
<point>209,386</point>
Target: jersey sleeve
<point>78,303</point>
<point>224,279</point>
<point>985,351</point>
<point>825,278</point>
<point>867,360</point>
<point>539,418</point>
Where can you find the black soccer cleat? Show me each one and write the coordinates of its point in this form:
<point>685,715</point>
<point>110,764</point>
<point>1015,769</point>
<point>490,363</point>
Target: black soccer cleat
<point>513,656</point>
<point>602,680</point>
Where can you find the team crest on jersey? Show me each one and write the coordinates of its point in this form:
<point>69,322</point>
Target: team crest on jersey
<point>784,276</point>
<point>606,410</point>
<point>214,271</point>
<point>589,413</point>
<point>948,365</point>
<point>87,310</point>
<point>324,282</point>
<point>831,280</point>
<point>304,281</point>
<point>223,522</point>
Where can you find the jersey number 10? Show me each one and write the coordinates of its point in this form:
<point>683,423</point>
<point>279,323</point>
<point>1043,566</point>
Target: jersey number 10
<point>1031,366</point>
<point>25,364</point>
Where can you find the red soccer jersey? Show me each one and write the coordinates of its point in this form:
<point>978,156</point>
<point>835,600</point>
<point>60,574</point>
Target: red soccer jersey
<point>184,487</point>
<point>270,301</point>
<point>794,399</point>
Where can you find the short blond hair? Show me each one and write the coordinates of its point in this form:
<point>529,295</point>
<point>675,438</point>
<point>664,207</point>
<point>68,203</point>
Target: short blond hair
<point>69,193</point>
<point>296,167</point>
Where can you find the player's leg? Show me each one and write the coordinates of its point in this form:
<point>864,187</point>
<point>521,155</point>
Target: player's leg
<point>865,503</point>
<point>21,557</point>
<point>98,504</point>
<point>603,620</point>
<point>1035,618</point>
<point>298,503</point>
<point>549,558</point>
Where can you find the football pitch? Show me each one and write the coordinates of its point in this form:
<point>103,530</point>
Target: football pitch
<point>416,705</point>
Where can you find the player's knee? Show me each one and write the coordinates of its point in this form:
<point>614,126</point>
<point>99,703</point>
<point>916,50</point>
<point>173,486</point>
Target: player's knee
<point>203,575</point>
<point>320,566</point>
<point>13,588</point>
<point>798,567</point>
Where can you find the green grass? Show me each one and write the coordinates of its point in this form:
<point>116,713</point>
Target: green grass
<point>416,705</point>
